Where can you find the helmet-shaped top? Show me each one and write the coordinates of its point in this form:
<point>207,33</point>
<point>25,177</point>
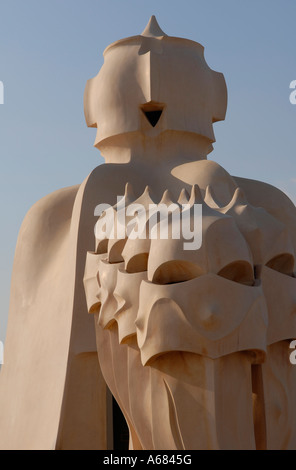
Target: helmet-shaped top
<point>154,81</point>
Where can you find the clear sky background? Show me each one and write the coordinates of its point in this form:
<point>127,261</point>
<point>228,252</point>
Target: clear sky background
<point>50,48</point>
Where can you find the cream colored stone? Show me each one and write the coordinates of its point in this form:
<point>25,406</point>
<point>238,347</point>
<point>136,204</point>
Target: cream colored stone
<point>193,344</point>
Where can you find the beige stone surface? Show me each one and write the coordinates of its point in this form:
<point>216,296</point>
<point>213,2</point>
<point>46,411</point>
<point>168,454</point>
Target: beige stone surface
<point>193,344</point>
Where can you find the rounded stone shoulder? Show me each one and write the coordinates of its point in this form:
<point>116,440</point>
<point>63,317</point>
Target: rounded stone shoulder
<point>47,217</point>
<point>272,199</point>
<point>266,195</point>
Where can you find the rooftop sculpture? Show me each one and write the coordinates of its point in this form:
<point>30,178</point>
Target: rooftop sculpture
<point>193,343</point>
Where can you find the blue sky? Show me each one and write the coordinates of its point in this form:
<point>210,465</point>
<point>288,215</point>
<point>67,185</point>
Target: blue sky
<point>49,49</point>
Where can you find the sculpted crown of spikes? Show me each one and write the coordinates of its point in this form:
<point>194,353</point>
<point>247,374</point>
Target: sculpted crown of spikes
<point>153,83</point>
<point>228,252</point>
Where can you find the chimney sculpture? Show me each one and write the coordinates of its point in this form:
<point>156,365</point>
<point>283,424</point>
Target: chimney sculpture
<point>187,274</point>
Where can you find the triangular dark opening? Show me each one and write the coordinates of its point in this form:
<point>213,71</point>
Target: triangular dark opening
<point>153,116</point>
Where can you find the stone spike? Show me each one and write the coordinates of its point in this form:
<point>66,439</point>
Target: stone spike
<point>184,197</point>
<point>127,198</point>
<point>238,198</point>
<point>145,197</point>
<point>147,191</point>
<point>195,196</point>
<point>153,29</point>
<point>166,198</point>
<point>210,198</point>
<point>129,192</point>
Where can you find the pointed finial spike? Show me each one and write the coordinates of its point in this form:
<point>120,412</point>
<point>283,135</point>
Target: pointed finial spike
<point>145,197</point>
<point>146,191</point>
<point>210,198</point>
<point>153,29</point>
<point>166,198</point>
<point>126,199</point>
<point>195,196</point>
<point>184,197</point>
<point>129,193</point>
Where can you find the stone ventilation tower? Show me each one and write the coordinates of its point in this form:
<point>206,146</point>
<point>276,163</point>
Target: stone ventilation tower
<point>192,343</point>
